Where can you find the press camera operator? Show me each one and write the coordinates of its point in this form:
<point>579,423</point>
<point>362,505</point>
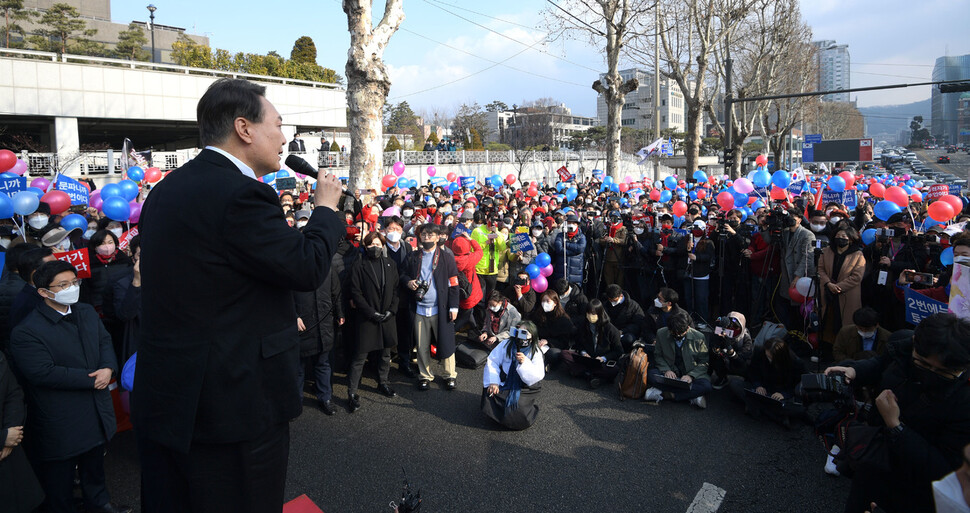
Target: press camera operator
<point>731,348</point>
<point>900,251</point>
<point>923,408</point>
<point>730,241</point>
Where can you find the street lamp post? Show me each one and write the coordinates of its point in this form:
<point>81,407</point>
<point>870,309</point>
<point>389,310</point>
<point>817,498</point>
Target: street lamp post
<point>151,16</point>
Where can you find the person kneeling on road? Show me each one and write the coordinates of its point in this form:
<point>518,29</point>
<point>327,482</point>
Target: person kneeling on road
<point>512,375</point>
<point>681,354</point>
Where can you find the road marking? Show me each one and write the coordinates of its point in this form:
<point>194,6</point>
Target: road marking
<point>707,500</point>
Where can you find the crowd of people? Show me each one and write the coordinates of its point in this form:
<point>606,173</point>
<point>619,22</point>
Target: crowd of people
<point>425,275</point>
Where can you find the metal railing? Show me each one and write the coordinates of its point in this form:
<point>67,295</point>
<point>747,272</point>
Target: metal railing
<point>493,157</point>
<point>95,163</point>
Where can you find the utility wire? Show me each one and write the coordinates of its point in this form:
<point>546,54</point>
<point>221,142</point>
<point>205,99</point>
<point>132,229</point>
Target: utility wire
<point>485,15</point>
<point>573,16</point>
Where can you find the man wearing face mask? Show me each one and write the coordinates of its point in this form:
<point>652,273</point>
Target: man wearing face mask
<point>302,218</point>
<point>923,407</point>
<point>567,252</point>
<point>681,354</point>
<point>38,223</point>
<point>65,357</point>
<point>625,314</point>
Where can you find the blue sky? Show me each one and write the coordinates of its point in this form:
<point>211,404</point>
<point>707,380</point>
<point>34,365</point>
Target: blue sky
<point>892,41</point>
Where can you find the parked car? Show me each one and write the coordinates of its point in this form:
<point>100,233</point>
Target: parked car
<point>943,159</point>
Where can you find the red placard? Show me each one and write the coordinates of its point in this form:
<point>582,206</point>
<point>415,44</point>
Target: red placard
<point>79,259</point>
<point>563,174</point>
<point>126,238</point>
<point>938,191</point>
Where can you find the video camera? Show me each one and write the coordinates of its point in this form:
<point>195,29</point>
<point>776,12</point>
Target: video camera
<point>778,220</point>
<point>834,388</point>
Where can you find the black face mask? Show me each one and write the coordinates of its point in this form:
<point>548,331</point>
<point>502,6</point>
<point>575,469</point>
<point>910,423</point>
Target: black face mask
<point>931,382</point>
<point>841,243</point>
<point>374,252</point>
<point>523,343</point>
<point>734,223</point>
<point>427,245</point>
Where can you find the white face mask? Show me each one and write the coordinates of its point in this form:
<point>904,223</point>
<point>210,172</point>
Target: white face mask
<point>537,233</point>
<point>657,302</point>
<point>300,224</point>
<point>817,227</point>
<point>496,308</point>
<point>618,301</point>
<point>68,296</point>
<point>867,334</point>
<point>117,231</point>
<point>5,243</point>
<point>835,220</point>
<point>638,231</point>
<point>37,222</point>
<point>445,211</point>
<point>965,260</point>
<point>548,306</point>
<point>948,495</point>
<point>571,227</point>
<point>64,245</point>
<point>408,213</point>
<point>394,237</point>
<point>90,233</point>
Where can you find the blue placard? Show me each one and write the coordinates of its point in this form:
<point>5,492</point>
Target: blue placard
<point>919,307</point>
<point>850,199</point>
<point>955,189</point>
<point>599,174</point>
<point>467,181</point>
<point>12,185</point>
<point>438,180</point>
<point>795,188</point>
<point>760,193</point>
<point>829,196</point>
<point>460,229</point>
<point>75,189</point>
<point>520,243</point>
<point>808,152</point>
<point>813,138</point>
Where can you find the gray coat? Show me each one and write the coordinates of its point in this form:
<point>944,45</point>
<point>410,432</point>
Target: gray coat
<point>799,260</point>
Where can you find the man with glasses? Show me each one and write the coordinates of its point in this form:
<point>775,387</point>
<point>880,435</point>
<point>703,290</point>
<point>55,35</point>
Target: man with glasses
<point>679,370</point>
<point>923,407</point>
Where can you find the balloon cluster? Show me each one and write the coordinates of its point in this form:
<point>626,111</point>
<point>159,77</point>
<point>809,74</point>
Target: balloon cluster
<point>539,272</point>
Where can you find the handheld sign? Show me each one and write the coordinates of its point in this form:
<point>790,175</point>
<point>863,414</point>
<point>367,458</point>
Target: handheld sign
<point>126,238</point>
<point>76,190</point>
<point>287,183</point>
<point>919,307</point>
<point>938,191</point>
<point>564,175</point>
<point>79,259</point>
<point>520,243</point>
<point>960,291</point>
<point>12,185</point>
<point>460,230</point>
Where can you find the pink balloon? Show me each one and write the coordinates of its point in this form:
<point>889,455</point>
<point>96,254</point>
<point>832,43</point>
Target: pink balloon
<point>628,179</point>
<point>94,201</point>
<point>743,185</point>
<point>432,170</point>
<point>539,284</point>
<point>399,168</point>
<point>135,211</point>
<point>41,183</point>
<point>19,168</point>
<point>546,271</point>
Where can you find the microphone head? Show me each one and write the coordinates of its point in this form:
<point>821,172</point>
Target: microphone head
<point>301,166</point>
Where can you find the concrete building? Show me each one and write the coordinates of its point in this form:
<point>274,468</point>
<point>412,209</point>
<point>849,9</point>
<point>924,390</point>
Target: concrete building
<point>97,15</point>
<point>638,109</point>
<point>944,118</point>
<point>552,126</point>
<point>963,119</point>
<point>833,69</point>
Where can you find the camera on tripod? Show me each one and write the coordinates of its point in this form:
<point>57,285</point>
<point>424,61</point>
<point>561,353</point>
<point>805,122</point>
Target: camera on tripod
<point>422,289</point>
<point>778,220</point>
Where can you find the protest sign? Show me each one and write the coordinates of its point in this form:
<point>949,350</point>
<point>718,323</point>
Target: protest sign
<point>467,181</point>
<point>563,174</point>
<point>795,188</point>
<point>75,189</point>
<point>126,238</point>
<point>919,307</point>
<point>79,259</point>
<point>460,230</point>
<point>960,291</point>
<point>938,191</point>
<point>12,185</point>
<point>520,243</point>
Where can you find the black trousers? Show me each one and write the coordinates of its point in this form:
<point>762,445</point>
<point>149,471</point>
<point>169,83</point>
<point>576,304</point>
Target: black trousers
<point>247,476</point>
<point>357,369</point>
<point>57,479</point>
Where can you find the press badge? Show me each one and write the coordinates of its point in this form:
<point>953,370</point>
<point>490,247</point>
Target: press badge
<point>883,276</point>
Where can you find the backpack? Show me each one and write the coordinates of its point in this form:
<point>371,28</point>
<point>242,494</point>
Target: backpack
<point>464,286</point>
<point>632,378</point>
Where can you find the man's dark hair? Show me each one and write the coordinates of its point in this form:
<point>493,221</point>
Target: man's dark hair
<point>670,295</point>
<point>945,336</point>
<point>394,220</point>
<point>561,286</point>
<point>224,101</point>
<point>30,261</point>
<point>134,244</point>
<point>14,254</point>
<point>613,291</point>
<point>46,273</point>
<point>429,228</point>
<point>865,317</point>
<point>478,217</point>
<point>678,323</point>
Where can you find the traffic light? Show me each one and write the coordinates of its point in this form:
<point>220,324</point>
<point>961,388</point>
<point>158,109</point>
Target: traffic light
<point>957,87</point>
<point>728,160</point>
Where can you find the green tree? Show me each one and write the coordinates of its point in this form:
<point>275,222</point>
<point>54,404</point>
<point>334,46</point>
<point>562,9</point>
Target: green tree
<point>476,142</point>
<point>496,106</point>
<point>468,117</point>
<point>403,120</point>
<point>13,11</point>
<point>186,52</point>
<point>495,146</point>
<point>304,51</point>
<point>334,146</point>
<point>131,44</point>
<point>433,138</point>
<point>62,31</point>
<point>392,144</point>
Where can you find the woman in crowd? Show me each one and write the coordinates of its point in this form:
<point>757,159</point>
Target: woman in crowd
<point>108,265</point>
<point>556,329</point>
<point>500,317</point>
<point>374,294</point>
<point>700,254</point>
<point>840,273</point>
<point>597,347</point>
<point>775,372</point>
<point>511,380</point>
<point>467,255</point>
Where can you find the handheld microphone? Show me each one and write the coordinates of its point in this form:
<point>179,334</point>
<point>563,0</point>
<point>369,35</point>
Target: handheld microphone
<point>301,166</point>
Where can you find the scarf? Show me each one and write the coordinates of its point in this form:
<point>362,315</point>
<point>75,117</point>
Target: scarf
<point>514,383</point>
<point>106,259</point>
<point>495,318</point>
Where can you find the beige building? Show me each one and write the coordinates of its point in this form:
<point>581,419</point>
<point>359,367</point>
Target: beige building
<point>97,15</point>
<point>638,106</point>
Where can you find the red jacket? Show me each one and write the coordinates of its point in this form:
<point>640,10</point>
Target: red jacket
<point>468,253</point>
<point>759,257</point>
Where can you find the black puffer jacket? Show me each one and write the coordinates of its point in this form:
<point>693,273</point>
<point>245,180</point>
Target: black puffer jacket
<point>319,310</point>
<point>10,286</point>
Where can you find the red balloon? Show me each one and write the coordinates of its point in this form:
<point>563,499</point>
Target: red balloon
<point>954,202</point>
<point>878,190</point>
<point>679,208</point>
<point>388,181</point>
<point>59,201</point>
<point>532,192</point>
<point>917,197</point>
<point>452,177</point>
<point>655,195</point>
<point>7,160</point>
<point>777,193</point>
<point>623,186</point>
<point>152,175</point>
<point>510,179</point>
<point>897,195</point>
<point>725,200</point>
<point>761,160</point>
<point>701,193</point>
<point>848,177</point>
<point>940,211</point>
<point>795,295</point>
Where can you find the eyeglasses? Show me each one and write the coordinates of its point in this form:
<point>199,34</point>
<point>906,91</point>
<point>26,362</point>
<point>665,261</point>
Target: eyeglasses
<point>946,373</point>
<point>63,286</point>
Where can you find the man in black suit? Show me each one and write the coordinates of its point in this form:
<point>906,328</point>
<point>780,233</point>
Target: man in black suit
<point>220,346</point>
<point>296,145</point>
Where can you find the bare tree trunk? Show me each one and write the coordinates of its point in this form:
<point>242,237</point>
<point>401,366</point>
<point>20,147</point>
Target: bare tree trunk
<point>367,88</point>
<point>692,139</point>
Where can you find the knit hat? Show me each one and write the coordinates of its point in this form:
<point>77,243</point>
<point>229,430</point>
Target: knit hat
<point>461,246</point>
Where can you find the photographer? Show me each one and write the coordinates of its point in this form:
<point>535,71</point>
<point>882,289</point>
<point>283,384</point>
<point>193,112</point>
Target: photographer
<point>924,409</point>
<point>961,255</point>
<point>903,251</point>
<point>731,348</point>
<point>764,254</point>
<point>774,372</point>
<point>730,246</point>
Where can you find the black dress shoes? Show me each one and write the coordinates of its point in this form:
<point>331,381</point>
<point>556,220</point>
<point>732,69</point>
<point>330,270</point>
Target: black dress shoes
<point>406,369</point>
<point>353,403</point>
<point>386,391</point>
<point>424,385</point>
<point>450,384</point>
<point>327,407</point>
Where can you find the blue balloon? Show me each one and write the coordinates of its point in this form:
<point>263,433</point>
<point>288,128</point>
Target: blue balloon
<point>129,189</point>
<point>267,178</point>
<point>533,270</point>
<point>946,257</point>
<point>6,206</point>
<point>862,187</point>
<point>700,176</point>
<point>703,211</point>
<point>670,182</point>
<point>453,187</point>
<point>757,204</point>
<point>781,179</point>
<point>116,208</point>
<point>35,191</point>
<point>282,173</point>
<point>571,193</point>
<point>665,196</point>
<point>136,173</point>
<point>8,175</point>
<point>25,202</point>
<point>740,200</point>
<point>624,202</point>
<point>543,259</point>
<point>869,236</point>
<point>885,209</point>
<point>658,184</point>
<point>560,186</point>
<point>73,221</point>
<point>114,190</point>
<point>836,183</point>
<point>761,178</point>
<point>678,221</point>
<point>693,195</point>
<point>908,189</point>
<point>402,183</point>
<point>744,216</point>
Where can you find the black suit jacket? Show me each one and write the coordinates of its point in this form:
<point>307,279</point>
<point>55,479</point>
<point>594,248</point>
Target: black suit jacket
<point>220,347</point>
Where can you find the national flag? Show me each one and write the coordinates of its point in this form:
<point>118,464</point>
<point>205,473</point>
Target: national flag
<point>649,150</point>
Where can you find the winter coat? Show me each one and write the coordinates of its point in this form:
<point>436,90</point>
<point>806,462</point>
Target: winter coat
<point>567,257</point>
<point>848,278</point>
<point>606,343</point>
<point>524,304</point>
<point>494,251</point>
<point>574,304</point>
<point>127,310</point>
<point>761,373</point>
<point>55,355</point>
<point>445,275</point>
<point>20,491</point>
<point>655,321</point>
<point>848,344</point>
<point>318,310</point>
<point>510,317</point>
<point>468,253</point>
<point>374,291</point>
<point>798,261</point>
<point>694,351</point>
<point>558,331</point>
<point>10,286</point>
<point>97,290</point>
<point>627,316</point>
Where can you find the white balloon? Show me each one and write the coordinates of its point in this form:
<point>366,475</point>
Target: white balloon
<point>805,287</point>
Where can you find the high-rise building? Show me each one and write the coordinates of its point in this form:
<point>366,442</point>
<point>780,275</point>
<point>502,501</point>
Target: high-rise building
<point>833,69</point>
<point>638,109</point>
<point>944,121</point>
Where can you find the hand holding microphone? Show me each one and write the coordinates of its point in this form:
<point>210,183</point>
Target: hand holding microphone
<point>328,190</point>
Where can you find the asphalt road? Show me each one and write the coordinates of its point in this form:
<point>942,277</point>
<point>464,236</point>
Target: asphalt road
<point>959,165</point>
<point>588,451</point>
